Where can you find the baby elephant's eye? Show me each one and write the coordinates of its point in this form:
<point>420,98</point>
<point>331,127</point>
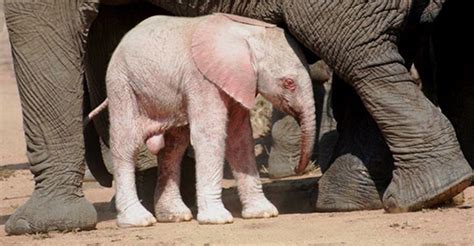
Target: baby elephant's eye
<point>289,84</point>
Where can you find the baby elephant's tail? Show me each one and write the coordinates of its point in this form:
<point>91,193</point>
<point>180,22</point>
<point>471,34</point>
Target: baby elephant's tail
<point>96,111</point>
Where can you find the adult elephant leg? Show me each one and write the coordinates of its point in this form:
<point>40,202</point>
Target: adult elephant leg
<point>326,131</point>
<point>361,166</point>
<point>108,28</point>
<point>359,40</point>
<point>48,48</point>
<point>285,151</point>
<point>429,165</point>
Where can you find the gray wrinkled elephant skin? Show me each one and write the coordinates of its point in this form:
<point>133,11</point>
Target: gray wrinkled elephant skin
<point>367,43</point>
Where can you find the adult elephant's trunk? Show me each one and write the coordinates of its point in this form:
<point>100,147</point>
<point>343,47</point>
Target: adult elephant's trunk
<point>307,122</point>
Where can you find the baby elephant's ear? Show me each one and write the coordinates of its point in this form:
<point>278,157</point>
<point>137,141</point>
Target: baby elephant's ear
<point>223,56</point>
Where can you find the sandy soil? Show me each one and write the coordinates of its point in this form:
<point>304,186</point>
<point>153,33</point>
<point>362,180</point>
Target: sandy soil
<point>296,224</point>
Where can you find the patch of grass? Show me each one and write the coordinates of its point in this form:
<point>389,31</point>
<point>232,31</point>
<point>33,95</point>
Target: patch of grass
<point>260,116</point>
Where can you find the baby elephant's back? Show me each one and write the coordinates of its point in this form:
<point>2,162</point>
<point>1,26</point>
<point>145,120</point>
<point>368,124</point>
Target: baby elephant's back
<point>152,59</point>
<point>159,43</point>
<point>164,30</point>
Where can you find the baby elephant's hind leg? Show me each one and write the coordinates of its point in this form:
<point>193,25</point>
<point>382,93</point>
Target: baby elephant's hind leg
<point>169,207</point>
<point>125,139</point>
<point>241,157</point>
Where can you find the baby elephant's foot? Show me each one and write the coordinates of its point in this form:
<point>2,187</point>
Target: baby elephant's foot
<point>259,209</point>
<point>214,215</point>
<point>135,216</point>
<point>172,212</point>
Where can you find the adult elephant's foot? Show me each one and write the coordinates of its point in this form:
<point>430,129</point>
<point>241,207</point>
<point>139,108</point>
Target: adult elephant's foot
<point>428,184</point>
<point>359,174</point>
<point>52,117</point>
<point>348,186</point>
<point>43,213</point>
<point>362,164</point>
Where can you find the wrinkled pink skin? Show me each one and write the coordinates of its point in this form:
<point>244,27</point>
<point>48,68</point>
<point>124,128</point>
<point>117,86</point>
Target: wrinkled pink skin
<point>157,95</point>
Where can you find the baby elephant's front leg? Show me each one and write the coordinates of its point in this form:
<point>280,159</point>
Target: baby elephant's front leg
<point>169,206</point>
<point>208,129</point>
<point>241,157</point>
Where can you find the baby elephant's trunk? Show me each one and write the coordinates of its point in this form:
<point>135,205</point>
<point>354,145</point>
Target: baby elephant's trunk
<point>307,121</point>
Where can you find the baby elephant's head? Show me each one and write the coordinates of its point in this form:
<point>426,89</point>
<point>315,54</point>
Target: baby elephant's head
<point>284,80</point>
<point>244,57</point>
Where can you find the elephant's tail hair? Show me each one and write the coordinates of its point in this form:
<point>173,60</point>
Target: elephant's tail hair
<point>95,112</point>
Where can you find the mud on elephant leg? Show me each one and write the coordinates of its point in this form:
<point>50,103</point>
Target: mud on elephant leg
<point>361,167</point>
<point>50,82</point>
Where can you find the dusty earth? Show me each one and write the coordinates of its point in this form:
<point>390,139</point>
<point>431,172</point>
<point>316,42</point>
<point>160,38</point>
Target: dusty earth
<point>296,225</point>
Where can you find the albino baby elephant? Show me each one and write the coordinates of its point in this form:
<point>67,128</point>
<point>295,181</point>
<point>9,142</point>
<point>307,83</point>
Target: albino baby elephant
<point>171,72</point>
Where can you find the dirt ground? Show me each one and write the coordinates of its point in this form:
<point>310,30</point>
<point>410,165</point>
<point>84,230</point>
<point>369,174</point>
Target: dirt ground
<point>296,225</point>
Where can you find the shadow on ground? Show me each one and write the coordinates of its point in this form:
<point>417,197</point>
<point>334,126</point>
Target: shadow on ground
<point>4,218</point>
<point>105,211</point>
<point>288,195</point>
